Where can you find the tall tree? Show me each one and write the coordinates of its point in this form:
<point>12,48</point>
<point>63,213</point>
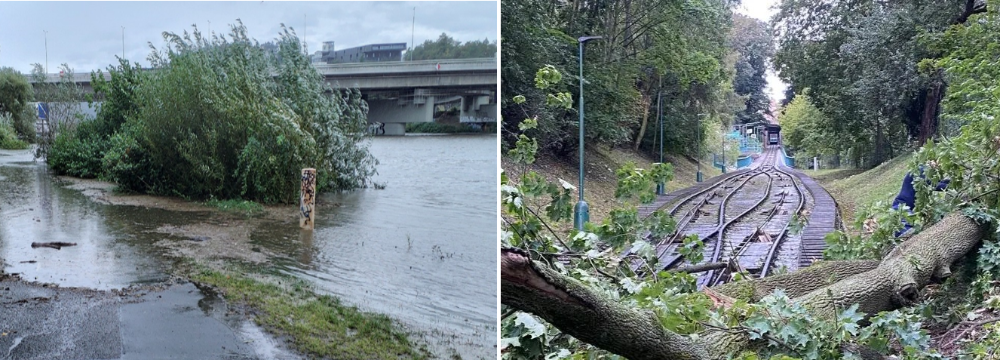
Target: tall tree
<point>751,40</point>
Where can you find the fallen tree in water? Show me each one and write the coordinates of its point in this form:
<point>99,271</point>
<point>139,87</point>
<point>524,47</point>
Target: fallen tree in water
<point>593,317</point>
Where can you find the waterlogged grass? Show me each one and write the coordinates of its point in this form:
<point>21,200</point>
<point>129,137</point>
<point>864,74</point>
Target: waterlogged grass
<point>241,207</point>
<point>317,325</point>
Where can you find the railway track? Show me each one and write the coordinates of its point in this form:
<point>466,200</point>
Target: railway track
<point>743,221</point>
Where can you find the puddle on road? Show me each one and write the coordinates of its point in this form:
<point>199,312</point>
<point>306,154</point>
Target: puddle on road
<point>184,322</point>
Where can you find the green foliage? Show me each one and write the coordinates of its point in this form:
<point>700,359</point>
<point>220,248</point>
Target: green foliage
<point>318,325</point>
<point>78,153</point>
<point>790,331</point>
<point>879,223</point>
<point>803,128</point>
<point>8,136</point>
<point>859,59</point>
<point>63,98</point>
<point>240,207</point>
<point>15,95</point>
<point>595,255</point>
<point>213,121</point>
<point>752,41</point>
<point>446,47</point>
<point>439,128</point>
<point>692,249</point>
<point>674,55</point>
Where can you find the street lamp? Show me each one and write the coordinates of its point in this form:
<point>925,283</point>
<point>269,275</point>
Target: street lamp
<point>661,188</point>
<point>723,149</point>
<point>581,214</point>
<point>46,32</point>
<point>697,156</point>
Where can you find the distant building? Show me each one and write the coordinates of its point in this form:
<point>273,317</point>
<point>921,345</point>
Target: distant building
<point>366,53</point>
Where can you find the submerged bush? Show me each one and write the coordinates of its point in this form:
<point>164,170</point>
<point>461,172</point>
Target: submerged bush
<point>212,120</point>
<point>15,94</point>
<point>8,137</point>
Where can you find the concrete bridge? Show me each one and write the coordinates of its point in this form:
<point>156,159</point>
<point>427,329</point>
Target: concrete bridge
<point>401,92</point>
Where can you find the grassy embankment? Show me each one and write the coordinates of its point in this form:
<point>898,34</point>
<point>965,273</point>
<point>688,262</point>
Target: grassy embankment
<point>855,189</point>
<point>316,325</point>
<point>600,181</point>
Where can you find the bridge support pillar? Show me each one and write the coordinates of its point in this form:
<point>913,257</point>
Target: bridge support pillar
<point>478,109</point>
<point>395,113</point>
<point>395,129</point>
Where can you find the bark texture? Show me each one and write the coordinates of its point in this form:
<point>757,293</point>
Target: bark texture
<point>588,314</point>
<point>819,274</point>
<point>591,316</point>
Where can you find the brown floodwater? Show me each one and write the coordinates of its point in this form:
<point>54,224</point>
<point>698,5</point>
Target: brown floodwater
<point>422,250</point>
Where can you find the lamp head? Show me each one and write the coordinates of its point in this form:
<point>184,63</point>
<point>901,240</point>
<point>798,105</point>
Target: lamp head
<point>584,39</point>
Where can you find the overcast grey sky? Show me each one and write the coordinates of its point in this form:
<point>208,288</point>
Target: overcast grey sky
<point>88,35</point>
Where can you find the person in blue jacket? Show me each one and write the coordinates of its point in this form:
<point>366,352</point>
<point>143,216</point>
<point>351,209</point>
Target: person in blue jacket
<point>908,196</point>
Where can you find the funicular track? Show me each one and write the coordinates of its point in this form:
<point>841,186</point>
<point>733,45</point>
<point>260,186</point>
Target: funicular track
<point>742,220</point>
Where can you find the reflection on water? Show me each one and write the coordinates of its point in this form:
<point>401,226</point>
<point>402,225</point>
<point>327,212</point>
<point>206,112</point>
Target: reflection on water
<point>422,250</point>
<point>112,250</point>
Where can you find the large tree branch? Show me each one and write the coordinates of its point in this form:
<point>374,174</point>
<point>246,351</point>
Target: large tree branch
<point>593,317</point>
<point>587,314</point>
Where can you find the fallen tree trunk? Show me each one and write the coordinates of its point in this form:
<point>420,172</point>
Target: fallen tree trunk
<point>588,315</point>
<point>819,274</point>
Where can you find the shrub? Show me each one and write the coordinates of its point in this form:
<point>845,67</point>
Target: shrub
<point>213,121</point>
<point>15,94</point>
<point>8,137</point>
<point>78,152</point>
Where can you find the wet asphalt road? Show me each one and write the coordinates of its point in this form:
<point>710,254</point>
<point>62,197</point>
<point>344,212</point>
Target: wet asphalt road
<point>179,322</point>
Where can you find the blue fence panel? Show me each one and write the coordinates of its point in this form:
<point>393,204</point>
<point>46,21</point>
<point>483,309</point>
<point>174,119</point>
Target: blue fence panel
<point>789,161</point>
<point>743,161</point>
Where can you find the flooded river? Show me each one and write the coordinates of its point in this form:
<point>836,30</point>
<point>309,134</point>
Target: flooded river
<point>422,250</point>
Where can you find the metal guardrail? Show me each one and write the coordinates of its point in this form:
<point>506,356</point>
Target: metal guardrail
<point>743,162</point>
<point>789,161</point>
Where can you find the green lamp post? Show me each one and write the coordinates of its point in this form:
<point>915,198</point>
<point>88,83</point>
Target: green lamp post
<point>581,213</point>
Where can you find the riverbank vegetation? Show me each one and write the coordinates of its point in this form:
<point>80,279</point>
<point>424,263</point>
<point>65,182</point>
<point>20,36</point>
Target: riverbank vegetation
<point>577,294</point>
<point>15,109</point>
<point>8,136</point>
<point>317,325</point>
<point>440,128</point>
<point>221,118</point>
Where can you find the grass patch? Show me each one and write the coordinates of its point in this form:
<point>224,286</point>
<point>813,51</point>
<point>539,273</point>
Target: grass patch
<point>240,207</point>
<point>317,325</point>
<point>861,190</point>
<point>439,128</point>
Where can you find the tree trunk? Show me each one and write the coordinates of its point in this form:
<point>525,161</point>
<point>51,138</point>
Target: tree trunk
<point>642,128</point>
<point>588,315</point>
<point>928,119</point>
<point>592,317</point>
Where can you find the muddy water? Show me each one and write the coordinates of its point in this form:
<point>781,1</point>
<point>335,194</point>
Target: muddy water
<point>112,249</point>
<point>422,250</point>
